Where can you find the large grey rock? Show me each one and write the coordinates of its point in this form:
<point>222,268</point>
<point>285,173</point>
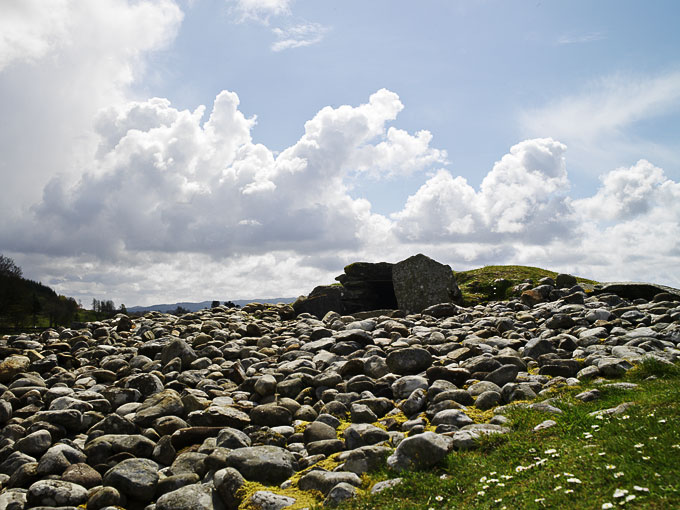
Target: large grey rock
<point>228,481</point>
<point>165,403</point>
<point>341,492</point>
<point>100,449</point>
<point>55,493</point>
<point>420,451</point>
<point>178,348</point>
<point>411,360</point>
<point>324,481</point>
<point>13,365</point>
<point>264,464</point>
<point>136,478</point>
<point>267,500</point>
<point>59,457</point>
<point>635,290</point>
<point>195,496</point>
<point>420,282</point>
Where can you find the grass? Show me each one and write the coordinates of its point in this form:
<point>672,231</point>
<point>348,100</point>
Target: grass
<point>477,285</point>
<point>584,462</point>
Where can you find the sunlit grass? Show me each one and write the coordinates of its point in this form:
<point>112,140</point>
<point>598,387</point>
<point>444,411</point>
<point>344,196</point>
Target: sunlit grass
<point>584,462</point>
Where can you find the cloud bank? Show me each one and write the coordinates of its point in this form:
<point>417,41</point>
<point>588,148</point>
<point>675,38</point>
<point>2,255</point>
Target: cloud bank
<point>179,203</point>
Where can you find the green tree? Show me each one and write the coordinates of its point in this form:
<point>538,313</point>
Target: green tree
<point>9,268</point>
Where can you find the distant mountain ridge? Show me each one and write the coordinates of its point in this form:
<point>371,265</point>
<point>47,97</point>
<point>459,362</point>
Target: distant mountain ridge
<point>194,307</point>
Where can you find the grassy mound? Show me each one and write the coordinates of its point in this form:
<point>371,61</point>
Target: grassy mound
<point>481,285</point>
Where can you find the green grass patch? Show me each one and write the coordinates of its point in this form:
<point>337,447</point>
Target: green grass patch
<point>628,460</point>
<point>477,285</point>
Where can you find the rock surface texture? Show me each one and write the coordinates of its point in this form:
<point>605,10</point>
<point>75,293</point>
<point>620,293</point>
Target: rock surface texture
<point>227,408</point>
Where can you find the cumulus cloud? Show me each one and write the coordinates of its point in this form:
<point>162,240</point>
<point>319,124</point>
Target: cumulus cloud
<point>66,60</point>
<point>519,198</point>
<point>165,181</point>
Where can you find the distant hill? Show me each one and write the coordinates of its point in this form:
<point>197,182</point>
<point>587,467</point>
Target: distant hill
<point>193,307</point>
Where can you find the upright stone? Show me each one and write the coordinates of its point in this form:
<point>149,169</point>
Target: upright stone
<point>420,282</point>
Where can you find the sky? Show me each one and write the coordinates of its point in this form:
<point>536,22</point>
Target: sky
<point>157,151</point>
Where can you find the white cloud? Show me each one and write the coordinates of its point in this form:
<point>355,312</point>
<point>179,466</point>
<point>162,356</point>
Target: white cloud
<point>298,36</point>
<point>165,182</point>
<point>261,10</point>
<point>581,38</point>
<point>63,61</point>
<point>605,108</point>
<point>518,198</point>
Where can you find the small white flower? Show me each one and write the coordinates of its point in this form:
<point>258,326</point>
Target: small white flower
<point>482,479</point>
<point>630,497</point>
<point>519,469</point>
<point>646,458</point>
<point>653,438</point>
<point>569,491</point>
<point>625,417</point>
<point>639,445</point>
<point>640,489</point>
<point>532,450</point>
<point>610,466</point>
<point>538,500</point>
<point>619,493</point>
<point>501,484</point>
<point>551,450</point>
<point>662,420</point>
<point>439,498</point>
<point>444,477</point>
<point>480,493</point>
<point>595,427</point>
<point>607,506</point>
<point>492,473</point>
<point>602,454</point>
<point>600,417</point>
<point>557,488</point>
<point>573,480</point>
<point>485,487</point>
<point>619,474</point>
<point>568,474</point>
<point>498,500</point>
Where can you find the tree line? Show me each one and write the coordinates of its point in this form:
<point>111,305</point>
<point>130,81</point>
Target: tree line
<point>25,303</point>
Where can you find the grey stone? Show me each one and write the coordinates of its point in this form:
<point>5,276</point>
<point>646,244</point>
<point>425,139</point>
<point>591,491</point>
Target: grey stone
<point>55,493</point>
<point>35,444</point>
<point>232,438</point>
<point>385,484</point>
<point>164,403</point>
<point>420,282</point>
<point>58,458</point>
<point>264,464</point>
<point>420,451</point>
<point>100,449</point>
<point>341,492</point>
<point>195,496</point>
<point>404,386</point>
<point>13,499</point>
<point>266,500</point>
<point>412,360</point>
<point>324,481</point>
<point>453,417</point>
<point>363,434</point>
<point>227,482</point>
<point>135,478</point>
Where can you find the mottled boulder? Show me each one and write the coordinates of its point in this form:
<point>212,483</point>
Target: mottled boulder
<point>13,365</point>
<point>264,464</point>
<point>420,451</point>
<point>55,493</point>
<point>420,282</point>
<point>136,478</point>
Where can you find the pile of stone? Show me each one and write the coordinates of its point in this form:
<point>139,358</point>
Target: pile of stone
<point>410,285</point>
<point>256,407</point>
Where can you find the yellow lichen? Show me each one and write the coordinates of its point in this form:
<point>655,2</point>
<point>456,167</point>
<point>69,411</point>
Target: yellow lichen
<point>301,426</point>
<point>303,499</point>
<point>477,415</point>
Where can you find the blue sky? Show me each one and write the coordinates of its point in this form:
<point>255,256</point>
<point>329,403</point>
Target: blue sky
<point>542,133</point>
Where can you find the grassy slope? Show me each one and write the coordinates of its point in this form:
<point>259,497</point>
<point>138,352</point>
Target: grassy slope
<point>477,285</point>
<point>580,463</point>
